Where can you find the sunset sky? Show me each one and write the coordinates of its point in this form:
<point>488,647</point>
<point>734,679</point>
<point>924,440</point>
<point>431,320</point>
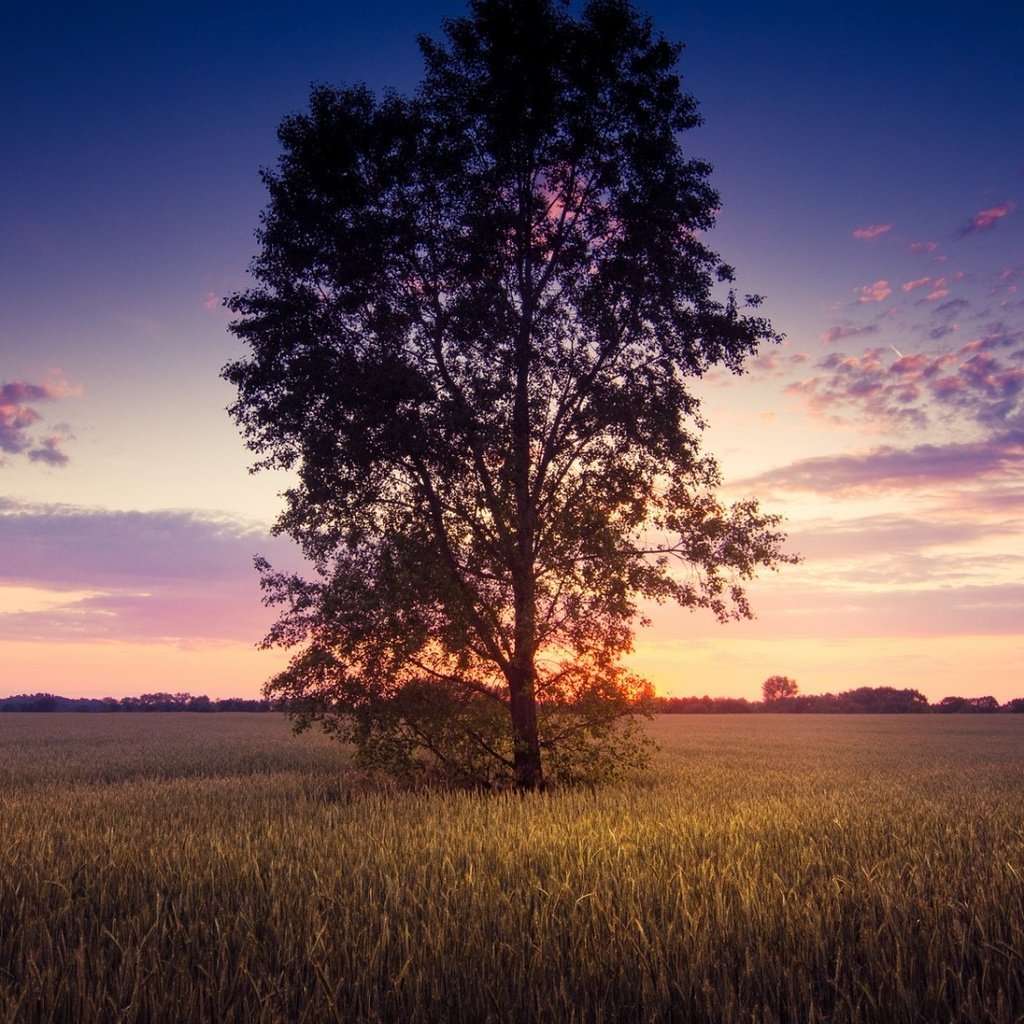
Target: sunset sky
<point>870,160</point>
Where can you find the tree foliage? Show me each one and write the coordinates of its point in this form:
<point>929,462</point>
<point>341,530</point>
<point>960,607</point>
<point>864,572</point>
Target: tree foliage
<point>864,700</point>
<point>778,688</point>
<point>882,700</point>
<point>972,705</point>
<point>477,315</point>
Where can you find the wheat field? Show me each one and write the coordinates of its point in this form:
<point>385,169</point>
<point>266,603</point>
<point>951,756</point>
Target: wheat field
<point>166,868</point>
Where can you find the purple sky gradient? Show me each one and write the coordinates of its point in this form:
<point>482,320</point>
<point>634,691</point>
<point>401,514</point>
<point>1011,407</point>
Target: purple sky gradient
<point>870,159</point>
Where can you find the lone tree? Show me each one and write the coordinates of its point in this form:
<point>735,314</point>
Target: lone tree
<point>778,688</point>
<point>477,313</point>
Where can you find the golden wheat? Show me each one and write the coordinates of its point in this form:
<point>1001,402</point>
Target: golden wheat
<point>774,869</point>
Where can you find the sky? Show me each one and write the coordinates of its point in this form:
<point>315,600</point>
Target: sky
<point>870,162</point>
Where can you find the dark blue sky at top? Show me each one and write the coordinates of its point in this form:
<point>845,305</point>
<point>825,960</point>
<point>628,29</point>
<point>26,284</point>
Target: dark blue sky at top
<point>133,135</point>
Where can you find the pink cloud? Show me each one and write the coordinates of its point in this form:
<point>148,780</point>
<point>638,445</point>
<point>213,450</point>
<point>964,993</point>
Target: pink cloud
<point>869,389</point>
<point>923,246</point>
<point>986,219</point>
<point>872,231</point>
<point>912,364</point>
<point>765,363</point>
<point>877,292</point>
<point>982,382</point>
<point>920,282</point>
<point>938,286</point>
<point>839,333</point>
<point>948,387</point>
<point>212,301</point>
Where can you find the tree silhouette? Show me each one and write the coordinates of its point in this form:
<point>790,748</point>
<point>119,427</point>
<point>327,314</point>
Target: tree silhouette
<point>778,688</point>
<point>882,700</point>
<point>477,314</point>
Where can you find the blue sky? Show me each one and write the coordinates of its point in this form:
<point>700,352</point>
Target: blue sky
<point>870,160</point>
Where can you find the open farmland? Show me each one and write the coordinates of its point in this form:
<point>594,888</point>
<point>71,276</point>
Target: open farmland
<point>774,868</point>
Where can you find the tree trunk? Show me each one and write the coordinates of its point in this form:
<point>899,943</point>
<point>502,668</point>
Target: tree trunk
<point>525,739</point>
<point>523,676</point>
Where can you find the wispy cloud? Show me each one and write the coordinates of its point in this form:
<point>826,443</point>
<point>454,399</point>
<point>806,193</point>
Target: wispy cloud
<point>18,417</point>
<point>142,576</point>
<point>920,282</point>
<point>834,334</point>
<point>888,468</point>
<point>985,220</point>
<point>879,610</point>
<point>872,231</point>
<point>901,536</point>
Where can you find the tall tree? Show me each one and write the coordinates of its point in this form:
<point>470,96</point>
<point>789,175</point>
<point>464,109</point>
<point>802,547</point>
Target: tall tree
<point>477,314</point>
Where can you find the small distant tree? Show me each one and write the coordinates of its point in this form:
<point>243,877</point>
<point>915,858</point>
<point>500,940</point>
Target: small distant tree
<point>478,315</point>
<point>776,688</point>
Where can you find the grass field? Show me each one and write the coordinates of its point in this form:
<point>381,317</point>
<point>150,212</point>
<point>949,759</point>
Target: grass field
<point>166,868</point>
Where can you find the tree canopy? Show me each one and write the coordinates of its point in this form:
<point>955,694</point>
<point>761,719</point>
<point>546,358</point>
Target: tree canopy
<point>477,315</point>
<point>779,688</point>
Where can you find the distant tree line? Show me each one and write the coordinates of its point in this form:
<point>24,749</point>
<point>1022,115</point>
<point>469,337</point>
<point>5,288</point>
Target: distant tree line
<point>872,700</point>
<point>147,702</point>
<point>885,700</point>
<point>781,695</point>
